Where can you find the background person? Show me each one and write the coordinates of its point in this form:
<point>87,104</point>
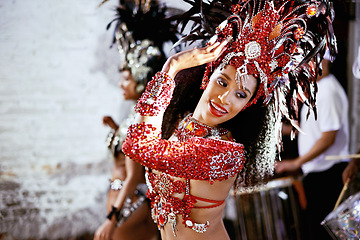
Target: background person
<point>326,135</point>
<point>141,51</point>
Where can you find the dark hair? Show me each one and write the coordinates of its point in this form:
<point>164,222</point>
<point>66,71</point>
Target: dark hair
<point>246,125</point>
<point>155,63</point>
<point>250,127</point>
<point>185,98</point>
<point>260,146</point>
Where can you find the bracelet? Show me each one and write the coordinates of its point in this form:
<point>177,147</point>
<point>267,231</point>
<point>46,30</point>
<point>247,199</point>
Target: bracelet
<point>114,212</point>
<point>116,185</point>
<point>110,138</point>
<point>157,95</point>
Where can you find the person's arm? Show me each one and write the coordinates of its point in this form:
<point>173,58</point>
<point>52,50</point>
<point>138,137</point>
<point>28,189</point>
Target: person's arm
<point>326,140</point>
<point>134,176</point>
<point>351,170</point>
<point>200,155</point>
<point>173,65</point>
<point>107,120</point>
<point>144,136</point>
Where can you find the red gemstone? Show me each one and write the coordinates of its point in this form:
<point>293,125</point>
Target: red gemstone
<point>200,132</point>
<point>311,10</point>
<point>162,219</point>
<point>190,127</point>
<point>228,166</point>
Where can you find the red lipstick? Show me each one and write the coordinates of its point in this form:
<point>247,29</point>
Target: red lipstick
<point>216,109</point>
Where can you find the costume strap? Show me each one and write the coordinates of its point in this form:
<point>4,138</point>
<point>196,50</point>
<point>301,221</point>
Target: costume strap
<point>130,207</point>
<point>216,202</point>
<point>157,95</point>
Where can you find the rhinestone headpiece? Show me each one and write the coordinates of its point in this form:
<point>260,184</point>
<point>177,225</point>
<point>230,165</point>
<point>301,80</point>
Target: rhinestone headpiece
<point>136,56</point>
<point>280,42</point>
<point>140,33</point>
<point>269,40</point>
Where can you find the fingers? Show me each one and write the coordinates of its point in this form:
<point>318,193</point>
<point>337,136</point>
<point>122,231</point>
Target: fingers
<point>104,119</point>
<point>103,232</point>
<point>348,175</point>
<point>283,166</point>
<point>212,46</point>
<point>278,168</point>
<point>212,52</point>
<point>97,235</point>
<point>221,47</point>
<point>101,236</point>
<point>217,47</point>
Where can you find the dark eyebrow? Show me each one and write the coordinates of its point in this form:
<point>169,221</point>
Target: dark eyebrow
<point>228,78</point>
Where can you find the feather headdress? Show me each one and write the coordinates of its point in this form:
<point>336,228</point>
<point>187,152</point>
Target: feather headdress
<point>280,42</point>
<point>140,33</point>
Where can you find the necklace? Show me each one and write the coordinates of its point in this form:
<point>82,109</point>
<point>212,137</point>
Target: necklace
<point>190,127</point>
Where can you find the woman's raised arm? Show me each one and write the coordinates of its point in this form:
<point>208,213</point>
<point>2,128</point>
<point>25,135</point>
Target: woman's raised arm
<point>154,101</point>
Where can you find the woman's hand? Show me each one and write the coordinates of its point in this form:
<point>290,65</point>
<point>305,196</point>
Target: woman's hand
<point>105,231</point>
<point>107,120</point>
<point>193,57</point>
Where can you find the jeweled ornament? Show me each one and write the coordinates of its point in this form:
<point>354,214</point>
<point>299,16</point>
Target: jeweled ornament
<point>311,10</point>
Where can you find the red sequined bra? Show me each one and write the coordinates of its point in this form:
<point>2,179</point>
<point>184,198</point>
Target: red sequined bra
<point>194,158</point>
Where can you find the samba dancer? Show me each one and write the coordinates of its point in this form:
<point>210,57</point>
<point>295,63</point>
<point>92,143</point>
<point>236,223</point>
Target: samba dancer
<point>142,56</point>
<point>260,54</point>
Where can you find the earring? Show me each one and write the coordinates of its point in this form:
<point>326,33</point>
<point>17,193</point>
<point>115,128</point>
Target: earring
<point>139,88</point>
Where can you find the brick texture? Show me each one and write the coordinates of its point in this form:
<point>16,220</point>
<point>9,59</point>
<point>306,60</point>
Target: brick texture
<point>58,78</point>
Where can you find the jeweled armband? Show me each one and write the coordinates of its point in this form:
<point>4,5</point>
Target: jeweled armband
<point>157,95</point>
<point>109,138</point>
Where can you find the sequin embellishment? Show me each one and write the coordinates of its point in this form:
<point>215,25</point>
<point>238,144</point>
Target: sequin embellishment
<point>189,127</point>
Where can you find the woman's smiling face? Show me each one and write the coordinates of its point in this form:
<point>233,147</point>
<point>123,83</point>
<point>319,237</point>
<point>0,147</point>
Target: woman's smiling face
<point>223,99</point>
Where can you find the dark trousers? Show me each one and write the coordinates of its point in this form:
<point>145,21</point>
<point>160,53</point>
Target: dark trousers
<point>322,189</point>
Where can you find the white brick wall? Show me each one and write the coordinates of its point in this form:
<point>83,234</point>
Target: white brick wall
<point>57,80</point>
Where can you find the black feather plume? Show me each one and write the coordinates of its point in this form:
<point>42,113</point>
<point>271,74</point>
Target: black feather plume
<point>152,24</point>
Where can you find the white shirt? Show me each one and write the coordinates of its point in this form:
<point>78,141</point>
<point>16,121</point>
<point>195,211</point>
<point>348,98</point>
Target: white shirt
<point>332,115</point>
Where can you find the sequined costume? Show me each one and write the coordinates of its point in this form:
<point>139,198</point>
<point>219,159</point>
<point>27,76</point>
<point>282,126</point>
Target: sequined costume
<point>195,157</point>
<point>116,138</point>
